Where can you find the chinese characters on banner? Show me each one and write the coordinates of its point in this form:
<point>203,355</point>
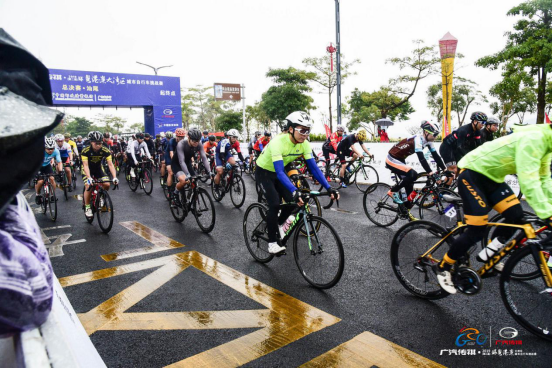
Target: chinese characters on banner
<point>227,91</point>
<point>84,88</point>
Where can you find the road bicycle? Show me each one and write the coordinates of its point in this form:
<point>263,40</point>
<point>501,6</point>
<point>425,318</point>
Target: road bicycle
<point>196,200</point>
<point>101,205</point>
<point>231,181</point>
<point>358,172</point>
<point>381,210</point>
<point>49,202</point>
<point>63,183</point>
<point>317,247</point>
<point>198,166</point>
<point>525,281</point>
<point>143,177</point>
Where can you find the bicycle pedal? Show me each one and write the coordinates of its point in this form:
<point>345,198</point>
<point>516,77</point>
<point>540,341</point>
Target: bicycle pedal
<point>282,253</point>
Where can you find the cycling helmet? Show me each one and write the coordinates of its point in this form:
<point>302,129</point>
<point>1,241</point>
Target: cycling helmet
<point>430,127</point>
<point>257,133</point>
<point>205,132</point>
<point>140,136</point>
<point>169,134</point>
<point>493,120</point>
<point>362,135</point>
<point>267,134</point>
<point>59,137</point>
<point>162,135</point>
<point>298,118</point>
<point>147,135</point>
<point>49,143</point>
<point>67,135</point>
<point>179,132</point>
<point>212,138</point>
<point>194,134</point>
<point>158,136</point>
<point>95,136</point>
<point>478,116</point>
<point>107,135</point>
<point>79,137</point>
<point>233,133</point>
<point>340,128</point>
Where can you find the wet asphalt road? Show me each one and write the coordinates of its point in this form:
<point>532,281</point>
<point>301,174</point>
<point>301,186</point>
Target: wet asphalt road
<point>367,298</point>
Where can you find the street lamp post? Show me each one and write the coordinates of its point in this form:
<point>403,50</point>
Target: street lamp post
<point>338,71</point>
<point>154,68</point>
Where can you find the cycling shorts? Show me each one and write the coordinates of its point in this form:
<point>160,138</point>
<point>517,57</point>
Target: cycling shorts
<point>47,169</point>
<point>446,152</point>
<point>397,166</point>
<point>97,173</point>
<point>342,154</point>
<point>65,160</point>
<point>480,195</point>
<point>219,162</point>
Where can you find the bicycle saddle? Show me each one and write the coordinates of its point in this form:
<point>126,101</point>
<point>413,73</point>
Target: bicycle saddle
<point>452,199</point>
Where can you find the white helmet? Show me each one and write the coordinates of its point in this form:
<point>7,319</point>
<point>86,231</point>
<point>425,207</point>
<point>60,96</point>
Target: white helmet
<point>430,127</point>
<point>233,133</point>
<point>162,134</point>
<point>298,118</point>
<point>49,143</point>
<point>59,137</point>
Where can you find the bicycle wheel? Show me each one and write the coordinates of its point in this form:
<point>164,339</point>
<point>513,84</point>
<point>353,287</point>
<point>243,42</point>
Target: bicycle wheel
<point>440,212</point>
<point>65,185</point>
<point>255,232</point>
<point>147,181</point>
<point>203,209</point>
<point>237,191</point>
<point>132,181</point>
<point>318,252</point>
<point>413,272</point>
<point>528,301</point>
<point>73,179</point>
<point>178,212</point>
<point>104,211</point>
<point>365,176</point>
<point>52,204</point>
<point>219,193</point>
<point>379,207</point>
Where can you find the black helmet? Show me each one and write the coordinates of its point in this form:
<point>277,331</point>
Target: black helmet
<point>212,138</point>
<point>493,120</point>
<point>140,136</point>
<point>95,136</point>
<point>478,116</point>
<point>147,135</point>
<point>194,134</point>
<point>205,132</point>
<point>267,134</point>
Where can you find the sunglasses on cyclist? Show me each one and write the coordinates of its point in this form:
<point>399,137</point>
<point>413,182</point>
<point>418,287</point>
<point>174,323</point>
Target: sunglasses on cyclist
<point>304,131</point>
<point>49,149</point>
<point>195,141</point>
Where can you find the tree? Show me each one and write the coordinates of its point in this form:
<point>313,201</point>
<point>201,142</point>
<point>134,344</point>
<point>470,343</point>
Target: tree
<point>435,101</point>
<point>422,62</point>
<point>229,119</point>
<point>288,94</point>
<point>137,127</point>
<point>368,107</point>
<point>326,77</point>
<point>200,108</point>
<point>464,94</point>
<point>528,48</point>
<point>111,123</point>
<point>78,126</point>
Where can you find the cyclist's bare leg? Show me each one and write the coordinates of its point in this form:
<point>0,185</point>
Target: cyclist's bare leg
<point>182,182</point>
<point>38,186</point>
<point>68,174</point>
<point>169,176</point>
<point>218,176</point>
<point>87,194</point>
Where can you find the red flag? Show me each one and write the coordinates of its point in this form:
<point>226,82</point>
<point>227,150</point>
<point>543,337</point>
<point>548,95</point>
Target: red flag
<point>327,129</point>
<point>547,118</point>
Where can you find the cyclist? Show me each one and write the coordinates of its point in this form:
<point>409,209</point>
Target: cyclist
<point>123,145</point>
<point>346,147</point>
<point>331,145</point>
<point>261,143</point>
<point>116,149</point>
<point>66,153</point>
<point>67,137</point>
<point>51,153</point>
<point>205,137</point>
<point>92,157</point>
<point>486,133</point>
<point>137,148</point>
<point>186,149</point>
<point>527,153</point>
<point>256,136</point>
<point>461,141</point>
<point>150,143</point>
<point>405,148</point>
<point>270,173</point>
<point>223,155</point>
<point>170,152</point>
<point>79,144</point>
<point>107,141</point>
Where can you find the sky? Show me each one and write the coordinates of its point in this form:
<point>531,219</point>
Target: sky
<point>237,41</point>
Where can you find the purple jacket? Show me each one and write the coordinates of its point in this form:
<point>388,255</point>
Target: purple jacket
<point>26,274</point>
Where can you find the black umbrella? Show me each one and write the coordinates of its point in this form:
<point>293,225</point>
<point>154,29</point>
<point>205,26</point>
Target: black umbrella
<point>384,122</point>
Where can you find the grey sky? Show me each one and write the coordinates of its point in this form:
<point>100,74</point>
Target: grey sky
<point>238,41</point>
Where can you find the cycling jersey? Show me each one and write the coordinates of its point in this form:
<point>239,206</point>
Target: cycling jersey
<point>347,142</point>
<point>185,153</point>
<point>459,143</point>
<point>73,146</point>
<point>252,142</point>
<point>115,147</point>
<point>262,142</point>
<point>204,139</point>
<point>150,144</point>
<point>94,158</point>
<point>408,146</point>
<point>527,153</point>
<point>64,149</point>
<point>135,148</point>
<point>223,152</point>
<point>333,141</point>
<point>48,157</point>
<point>80,146</point>
<point>208,146</point>
<point>486,135</point>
